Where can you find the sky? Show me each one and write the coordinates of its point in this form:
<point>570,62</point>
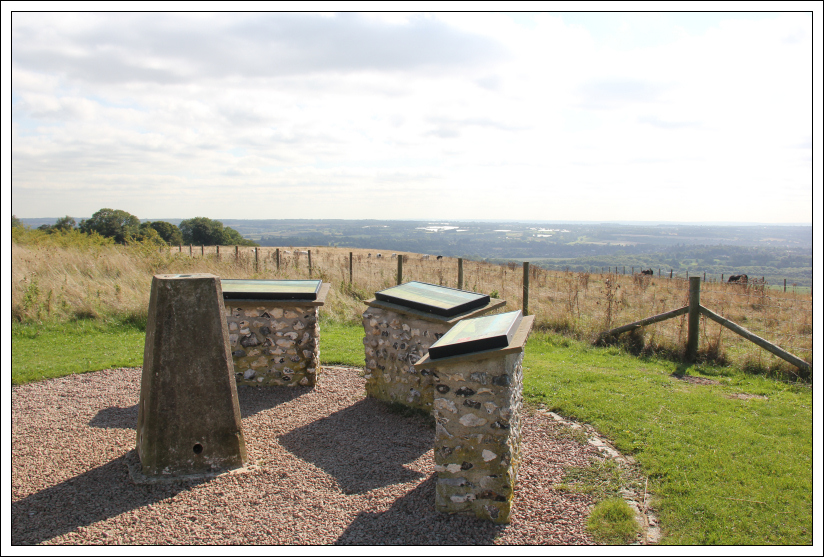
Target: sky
<point>600,116</point>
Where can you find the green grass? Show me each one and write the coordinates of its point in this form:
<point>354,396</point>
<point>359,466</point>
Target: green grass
<point>612,521</point>
<point>723,471</point>
<point>45,351</point>
<point>341,344</point>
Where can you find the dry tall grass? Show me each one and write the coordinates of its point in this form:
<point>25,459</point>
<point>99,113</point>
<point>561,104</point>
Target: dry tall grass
<point>101,281</point>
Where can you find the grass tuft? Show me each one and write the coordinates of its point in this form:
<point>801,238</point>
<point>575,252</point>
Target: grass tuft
<point>613,522</point>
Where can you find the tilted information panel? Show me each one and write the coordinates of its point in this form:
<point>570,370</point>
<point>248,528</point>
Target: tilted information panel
<point>431,298</point>
<point>477,334</point>
<point>239,289</point>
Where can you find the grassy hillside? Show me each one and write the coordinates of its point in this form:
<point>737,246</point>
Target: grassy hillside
<point>56,282</point>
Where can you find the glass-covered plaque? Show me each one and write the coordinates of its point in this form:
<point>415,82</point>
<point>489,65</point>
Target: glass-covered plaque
<point>477,334</point>
<point>240,289</point>
<point>439,300</point>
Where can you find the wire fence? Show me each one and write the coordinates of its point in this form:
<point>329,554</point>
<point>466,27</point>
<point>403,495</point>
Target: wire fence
<point>583,304</point>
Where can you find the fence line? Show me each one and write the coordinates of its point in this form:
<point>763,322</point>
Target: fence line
<point>582,303</point>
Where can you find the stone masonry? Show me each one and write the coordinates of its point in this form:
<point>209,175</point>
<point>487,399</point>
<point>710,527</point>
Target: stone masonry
<point>477,409</point>
<point>395,338</point>
<point>393,342</point>
<point>274,343</point>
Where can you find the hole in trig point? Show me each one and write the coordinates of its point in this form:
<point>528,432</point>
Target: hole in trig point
<point>198,448</point>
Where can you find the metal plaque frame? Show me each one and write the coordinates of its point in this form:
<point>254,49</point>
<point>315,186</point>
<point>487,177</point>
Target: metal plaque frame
<point>243,289</point>
<point>431,298</point>
<point>477,334</point>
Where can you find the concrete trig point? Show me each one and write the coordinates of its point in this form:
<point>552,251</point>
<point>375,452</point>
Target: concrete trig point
<point>478,383</point>
<point>188,421</point>
<point>400,325</point>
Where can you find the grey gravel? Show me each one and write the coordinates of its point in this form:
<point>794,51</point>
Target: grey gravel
<point>332,467</point>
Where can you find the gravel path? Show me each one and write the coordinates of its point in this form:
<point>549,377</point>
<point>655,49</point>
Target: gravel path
<point>334,467</point>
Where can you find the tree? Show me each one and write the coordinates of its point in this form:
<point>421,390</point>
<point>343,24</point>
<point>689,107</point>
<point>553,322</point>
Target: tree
<point>203,231</point>
<point>65,224</point>
<point>147,236</point>
<point>16,223</point>
<point>112,223</point>
<point>167,231</point>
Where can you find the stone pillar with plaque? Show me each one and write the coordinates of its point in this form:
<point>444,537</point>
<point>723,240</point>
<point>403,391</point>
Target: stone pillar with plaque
<point>273,330</point>
<point>478,383</point>
<point>400,325</point>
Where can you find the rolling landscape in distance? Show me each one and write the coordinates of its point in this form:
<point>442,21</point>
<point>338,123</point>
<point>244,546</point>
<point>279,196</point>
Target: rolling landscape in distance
<point>773,251</point>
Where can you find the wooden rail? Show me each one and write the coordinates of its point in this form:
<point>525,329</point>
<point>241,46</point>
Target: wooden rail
<point>694,309</point>
<point>755,339</point>
<point>645,322</point>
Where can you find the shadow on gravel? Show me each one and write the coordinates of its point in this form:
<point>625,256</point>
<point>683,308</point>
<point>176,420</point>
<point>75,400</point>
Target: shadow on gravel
<point>99,494</point>
<point>250,399</point>
<point>413,520</point>
<point>363,446</point>
<point>259,399</point>
<point>116,417</point>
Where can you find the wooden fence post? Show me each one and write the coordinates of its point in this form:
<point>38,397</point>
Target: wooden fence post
<point>256,260</point>
<point>693,318</point>
<point>202,251</point>
<point>217,252</point>
<point>237,254</point>
<point>400,269</point>
<point>277,258</point>
<point>180,248</point>
<point>460,273</point>
<point>309,252</point>
<point>350,268</point>
<point>526,288</point>
<point>190,250</point>
<point>785,285</point>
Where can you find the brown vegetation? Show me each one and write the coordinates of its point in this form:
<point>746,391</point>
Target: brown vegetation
<point>64,282</point>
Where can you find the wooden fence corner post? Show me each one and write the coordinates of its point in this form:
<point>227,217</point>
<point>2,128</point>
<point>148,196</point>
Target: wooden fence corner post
<point>460,273</point>
<point>400,269</point>
<point>526,288</point>
<point>693,318</point>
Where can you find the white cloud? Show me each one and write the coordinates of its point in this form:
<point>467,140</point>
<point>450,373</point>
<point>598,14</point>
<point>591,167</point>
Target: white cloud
<point>391,115</point>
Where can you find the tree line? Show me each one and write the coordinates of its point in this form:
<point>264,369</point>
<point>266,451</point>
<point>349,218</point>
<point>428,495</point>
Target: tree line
<point>124,228</point>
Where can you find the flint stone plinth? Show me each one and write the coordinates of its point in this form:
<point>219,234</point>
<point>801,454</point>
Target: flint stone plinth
<point>188,420</point>
<point>275,342</point>
<point>395,337</point>
<point>477,409</point>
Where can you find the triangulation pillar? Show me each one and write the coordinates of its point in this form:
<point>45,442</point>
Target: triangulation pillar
<point>188,420</point>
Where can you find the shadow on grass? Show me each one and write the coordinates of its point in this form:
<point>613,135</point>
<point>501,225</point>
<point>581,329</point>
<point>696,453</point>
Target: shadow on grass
<point>413,520</point>
<point>99,494</point>
<point>378,444</point>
